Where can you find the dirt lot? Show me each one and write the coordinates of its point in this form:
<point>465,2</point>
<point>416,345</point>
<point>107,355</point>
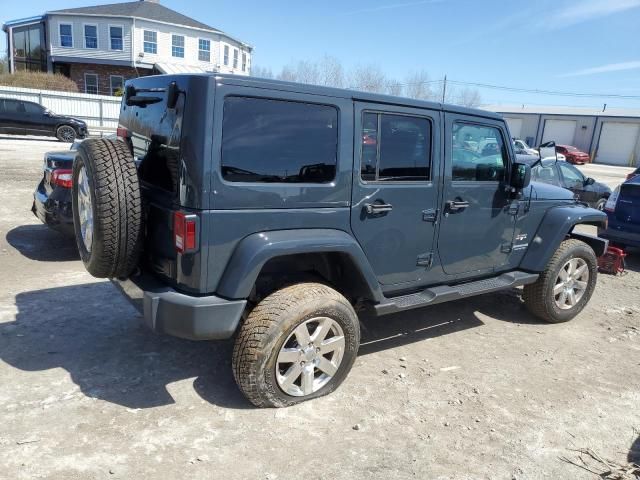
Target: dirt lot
<point>474,389</point>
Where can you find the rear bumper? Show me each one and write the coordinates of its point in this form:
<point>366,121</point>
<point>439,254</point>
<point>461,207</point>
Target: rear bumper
<point>621,237</point>
<point>54,210</point>
<point>169,312</point>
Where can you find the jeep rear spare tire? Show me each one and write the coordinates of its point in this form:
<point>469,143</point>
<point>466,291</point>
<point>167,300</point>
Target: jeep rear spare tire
<point>298,343</point>
<point>107,210</point>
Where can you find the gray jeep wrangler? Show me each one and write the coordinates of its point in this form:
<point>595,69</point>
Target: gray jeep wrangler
<point>275,213</point>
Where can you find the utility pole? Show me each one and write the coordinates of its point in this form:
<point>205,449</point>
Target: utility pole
<point>444,88</point>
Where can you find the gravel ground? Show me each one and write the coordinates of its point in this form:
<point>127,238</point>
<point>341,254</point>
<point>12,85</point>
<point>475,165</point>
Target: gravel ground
<point>466,390</point>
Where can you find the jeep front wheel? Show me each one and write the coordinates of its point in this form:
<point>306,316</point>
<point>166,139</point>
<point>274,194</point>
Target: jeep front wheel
<point>298,343</point>
<point>566,285</point>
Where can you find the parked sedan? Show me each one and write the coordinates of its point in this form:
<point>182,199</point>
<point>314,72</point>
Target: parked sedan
<point>573,155</point>
<point>52,198</point>
<point>563,174</point>
<point>19,117</point>
<point>623,210</point>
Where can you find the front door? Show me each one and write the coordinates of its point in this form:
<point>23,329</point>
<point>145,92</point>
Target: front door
<point>478,221</point>
<point>395,191</point>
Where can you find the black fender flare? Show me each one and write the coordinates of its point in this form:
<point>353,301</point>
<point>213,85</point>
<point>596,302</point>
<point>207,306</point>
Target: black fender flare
<point>253,251</point>
<point>558,224</point>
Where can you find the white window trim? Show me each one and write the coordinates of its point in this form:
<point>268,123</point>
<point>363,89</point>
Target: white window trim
<point>144,41</point>
<point>84,36</point>
<point>236,59</point>
<point>111,77</point>
<point>225,58</point>
<point>244,61</point>
<point>199,50</point>
<point>121,27</point>
<point>184,44</point>
<point>60,35</point>
<point>97,82</point>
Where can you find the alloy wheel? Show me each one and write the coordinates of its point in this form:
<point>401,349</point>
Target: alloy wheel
<point>310,356</point>
<point>85,209</point>
<point>571,283</point>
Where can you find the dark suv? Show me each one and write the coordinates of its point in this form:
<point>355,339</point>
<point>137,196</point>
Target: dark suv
<point>19,117</point>
<point>276,213</point>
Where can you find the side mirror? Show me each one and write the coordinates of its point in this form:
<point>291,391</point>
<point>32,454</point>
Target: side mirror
<point>548,150</point>
<point>589,181</point>
<point>520,176</point>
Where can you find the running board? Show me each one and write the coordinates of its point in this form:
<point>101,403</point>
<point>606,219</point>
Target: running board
<point>446,293</point>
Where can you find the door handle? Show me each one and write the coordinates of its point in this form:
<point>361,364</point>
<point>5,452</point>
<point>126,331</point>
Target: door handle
<point>454,206</point>
<point>373,208</point>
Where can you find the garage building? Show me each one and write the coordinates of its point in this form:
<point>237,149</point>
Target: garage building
<point>610,135</point>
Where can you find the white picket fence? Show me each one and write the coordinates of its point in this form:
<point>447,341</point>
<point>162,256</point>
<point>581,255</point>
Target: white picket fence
<point>99,111</point>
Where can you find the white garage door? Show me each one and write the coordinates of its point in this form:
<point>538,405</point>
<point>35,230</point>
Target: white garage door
<point>562,132</point>
<point>617,143</point>
<point>515,126</point>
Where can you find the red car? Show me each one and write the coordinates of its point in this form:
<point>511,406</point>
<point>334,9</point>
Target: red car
<point>573,155</point>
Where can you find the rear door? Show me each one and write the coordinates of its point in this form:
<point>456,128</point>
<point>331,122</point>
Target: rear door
<point>11,117</point>
<point>478,221</point>
<point>395,192</point>
<point>35,120</point>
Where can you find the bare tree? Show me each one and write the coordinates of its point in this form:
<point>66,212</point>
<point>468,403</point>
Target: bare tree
<point>261,72</point>
<point>369,78</point>
<point>307,72</point>
<point>394,88</point>
<point>331,72</point>
<point>418,85</point>
<point>468,97</point>
<point>288,74</point>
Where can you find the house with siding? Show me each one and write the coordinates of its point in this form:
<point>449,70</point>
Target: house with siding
<point>102,46</point>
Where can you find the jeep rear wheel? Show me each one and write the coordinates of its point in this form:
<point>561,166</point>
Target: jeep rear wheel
<point>107,210</point>
<point>298,343</point>
<point>566,285</point>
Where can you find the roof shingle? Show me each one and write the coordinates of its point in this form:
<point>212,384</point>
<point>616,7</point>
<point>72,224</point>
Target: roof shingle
<point>141,9</point>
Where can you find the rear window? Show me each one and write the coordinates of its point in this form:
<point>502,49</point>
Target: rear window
<point>630,191</point>
<point>267,140</point>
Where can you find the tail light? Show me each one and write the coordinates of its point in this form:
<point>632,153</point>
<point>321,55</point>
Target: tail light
<point>610,206</point>
<point>185,232</point>
<point>62,178</point>
<point>122,133</point>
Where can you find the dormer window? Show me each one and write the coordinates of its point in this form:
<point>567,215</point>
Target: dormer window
<point>177,46</point>
<point>90,36</point>
<point>66,35</point>
<point>115,37</point>
<point>204,50</point>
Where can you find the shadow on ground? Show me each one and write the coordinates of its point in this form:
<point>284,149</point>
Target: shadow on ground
<point>634,452</point>
<point>41,243</point>
<point>94,334</point>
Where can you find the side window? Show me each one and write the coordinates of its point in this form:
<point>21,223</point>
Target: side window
<point>478,153</point>
<point>33,109</point>
<point>395,148</point>
<point>572,176</point>
<point>11,106</point>
<point>546,174</point>
<point>278,141</point>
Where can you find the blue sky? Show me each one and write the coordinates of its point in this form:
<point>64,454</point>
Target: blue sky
<point>561,45</point>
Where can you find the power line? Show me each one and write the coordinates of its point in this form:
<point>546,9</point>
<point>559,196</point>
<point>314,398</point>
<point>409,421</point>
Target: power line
<point>559,93</point>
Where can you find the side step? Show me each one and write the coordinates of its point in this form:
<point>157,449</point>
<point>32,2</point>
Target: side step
<point>446,293</point>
